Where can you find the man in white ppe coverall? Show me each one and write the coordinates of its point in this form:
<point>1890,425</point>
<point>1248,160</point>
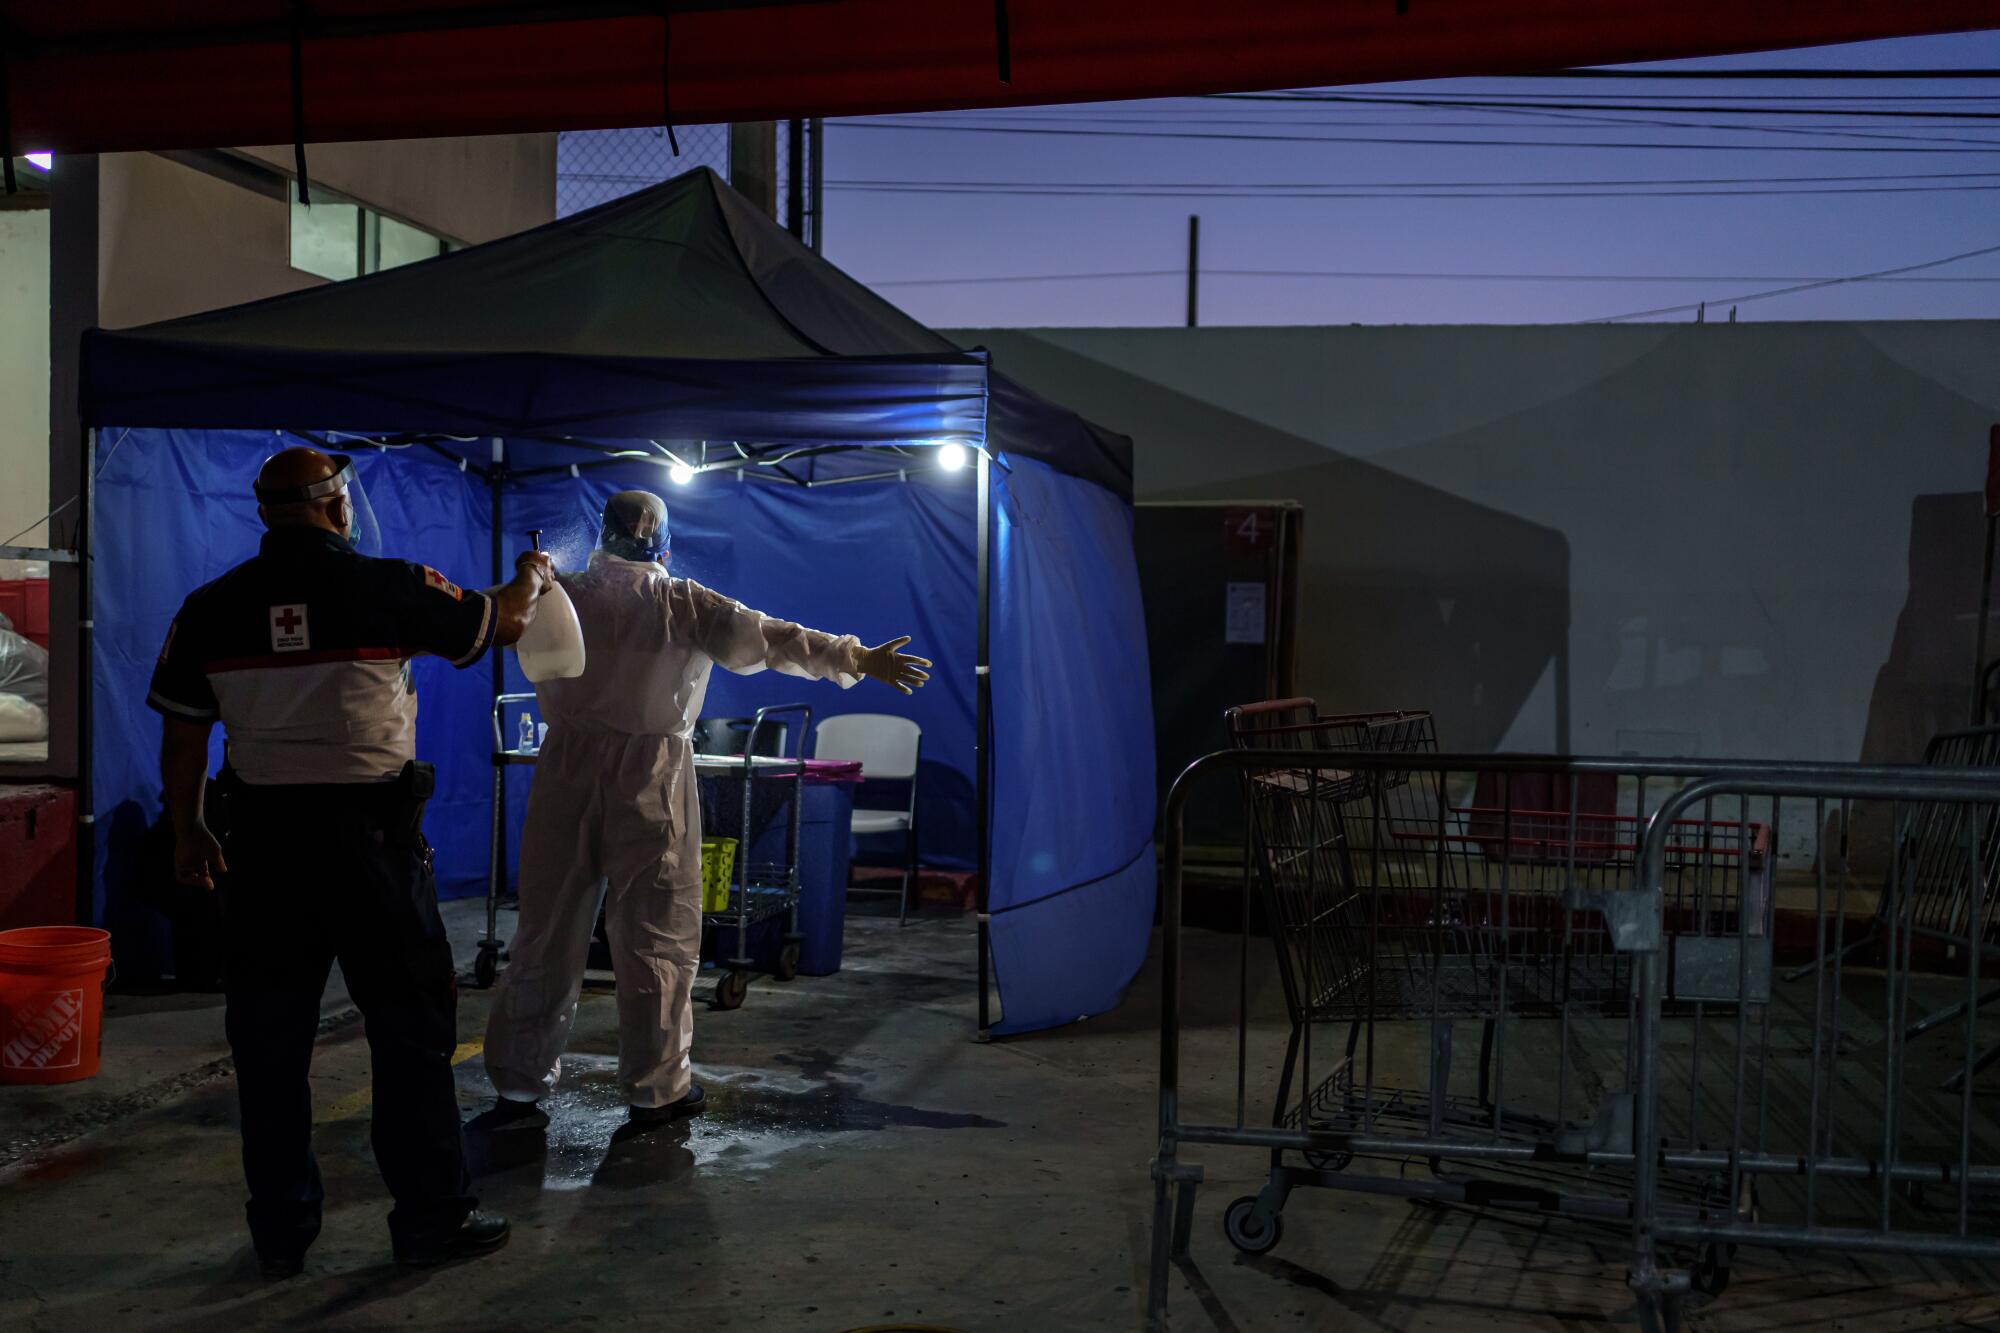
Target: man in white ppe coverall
<point>614,812</point>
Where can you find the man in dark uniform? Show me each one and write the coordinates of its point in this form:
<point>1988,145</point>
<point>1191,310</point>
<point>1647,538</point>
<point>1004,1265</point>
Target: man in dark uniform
<point>302,653</point>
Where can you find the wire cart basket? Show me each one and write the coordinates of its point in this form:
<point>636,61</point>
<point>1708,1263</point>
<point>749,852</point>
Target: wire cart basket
<point>1406,900</point>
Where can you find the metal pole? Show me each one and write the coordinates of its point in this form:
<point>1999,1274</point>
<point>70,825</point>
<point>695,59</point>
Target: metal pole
<point>86,808</point>
<point>795,178</point>
<point>495,483</point>
<point>1194,265</point>
<point>1979,634</point>
<point>1991,498</point>
<point>983,743</point>
<point>817,130</point>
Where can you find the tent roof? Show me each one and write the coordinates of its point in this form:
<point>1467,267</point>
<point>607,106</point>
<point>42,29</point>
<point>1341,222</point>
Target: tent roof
<point>105,75</point>
<point>679,312</point>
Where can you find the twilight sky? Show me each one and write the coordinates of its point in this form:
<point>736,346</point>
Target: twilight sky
<point>1947,201</point>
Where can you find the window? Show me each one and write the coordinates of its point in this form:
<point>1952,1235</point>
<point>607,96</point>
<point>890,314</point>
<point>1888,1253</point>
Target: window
<point>338,238</point>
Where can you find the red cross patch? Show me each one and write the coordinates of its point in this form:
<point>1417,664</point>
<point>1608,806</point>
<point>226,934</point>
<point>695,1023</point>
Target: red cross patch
<point>288,628</point>
<point>433,579</point>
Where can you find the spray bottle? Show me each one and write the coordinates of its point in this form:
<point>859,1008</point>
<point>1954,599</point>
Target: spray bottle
<point>551,648</point>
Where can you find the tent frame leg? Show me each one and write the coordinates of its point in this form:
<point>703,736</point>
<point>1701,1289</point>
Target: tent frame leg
<point>983,756</point>
<point>86,806</point>
<point>496,874</point>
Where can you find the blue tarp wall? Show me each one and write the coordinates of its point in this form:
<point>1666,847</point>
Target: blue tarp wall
<point>873,559</point>
<point>1073,874</point>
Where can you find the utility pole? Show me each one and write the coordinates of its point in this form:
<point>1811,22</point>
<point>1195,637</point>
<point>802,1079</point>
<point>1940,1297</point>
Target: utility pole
<point>795,178</point>
<point>1194,265</point>
<point>816,165</point>
<point>753,163</point>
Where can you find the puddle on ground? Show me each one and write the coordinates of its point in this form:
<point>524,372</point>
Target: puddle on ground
<point>753,1118</point>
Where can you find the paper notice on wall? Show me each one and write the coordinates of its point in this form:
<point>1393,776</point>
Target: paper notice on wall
<point>1244,621</point>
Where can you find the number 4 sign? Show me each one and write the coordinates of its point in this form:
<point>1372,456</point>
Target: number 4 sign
<point>1247,530</point>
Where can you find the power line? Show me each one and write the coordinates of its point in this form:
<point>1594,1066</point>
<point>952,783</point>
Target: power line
<point>1719,75</point>
<point>1429,185</point>
<point>1600,119</point>
<point>1578,120</point>
<point>1103,193</point>
<point>1407,185</point>
<point>1312,94</point>
<point>1373,275</point>
<point>1499,101</point>
<point>1389,141</point>
<point>1811,285</point>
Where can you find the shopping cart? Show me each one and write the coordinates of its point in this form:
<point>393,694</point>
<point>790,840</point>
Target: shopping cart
<point>742,797</point>
<point>1636,1068</point>
<point>1403,897</point>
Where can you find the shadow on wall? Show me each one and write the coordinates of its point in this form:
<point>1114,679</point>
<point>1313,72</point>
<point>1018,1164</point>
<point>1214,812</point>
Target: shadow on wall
<point>1415,598</point>
<point>1926,685</point>
<point>1410,597</point>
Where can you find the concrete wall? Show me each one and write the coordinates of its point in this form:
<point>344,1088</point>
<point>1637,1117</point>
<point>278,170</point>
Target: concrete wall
<point>1756,540</point>
<point>472,190</point>
<point>175,240</point>
<point>24,374</point>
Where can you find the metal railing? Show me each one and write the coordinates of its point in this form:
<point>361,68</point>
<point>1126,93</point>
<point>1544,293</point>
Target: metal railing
<point>1720,1121</point>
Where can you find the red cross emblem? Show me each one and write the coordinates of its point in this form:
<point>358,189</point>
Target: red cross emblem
<point>288,628</point>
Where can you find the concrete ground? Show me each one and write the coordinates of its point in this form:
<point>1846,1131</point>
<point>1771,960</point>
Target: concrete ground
<point>864,1163</point>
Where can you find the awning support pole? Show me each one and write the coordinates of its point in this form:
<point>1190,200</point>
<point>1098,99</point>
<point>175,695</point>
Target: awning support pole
<point>496,481</point>
<point>86,805</point>
<point>983,759</point>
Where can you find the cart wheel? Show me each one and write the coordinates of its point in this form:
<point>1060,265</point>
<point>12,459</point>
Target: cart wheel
<point>1247,1231</point>
<point>731,990</point>
<point>1329,1161</point>
<point>788,963</point>
<point>486,968</point>
<point>1710,1274</point>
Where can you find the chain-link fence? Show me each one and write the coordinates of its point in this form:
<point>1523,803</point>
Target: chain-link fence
<point>595,166</point>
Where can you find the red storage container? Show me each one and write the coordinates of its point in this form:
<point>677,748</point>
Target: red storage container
<point>37,856</point>
<point>25,602</point>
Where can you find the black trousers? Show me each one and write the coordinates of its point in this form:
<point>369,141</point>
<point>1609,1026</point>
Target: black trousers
<point>318,874</point>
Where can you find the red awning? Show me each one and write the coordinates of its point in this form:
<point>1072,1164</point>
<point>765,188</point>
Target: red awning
<point>104,75</point>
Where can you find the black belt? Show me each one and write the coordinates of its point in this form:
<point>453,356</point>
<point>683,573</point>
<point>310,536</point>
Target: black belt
<point>399,803</point>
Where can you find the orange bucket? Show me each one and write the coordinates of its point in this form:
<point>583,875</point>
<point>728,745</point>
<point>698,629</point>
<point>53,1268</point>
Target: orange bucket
<point>51,1002</point>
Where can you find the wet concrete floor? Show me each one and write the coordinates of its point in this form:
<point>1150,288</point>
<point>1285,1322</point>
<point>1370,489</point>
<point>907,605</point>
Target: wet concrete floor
<point>864,1163</point>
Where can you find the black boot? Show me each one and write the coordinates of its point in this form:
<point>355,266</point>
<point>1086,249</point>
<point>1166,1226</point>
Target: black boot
<point>649,1117</point>
<point>480,1233</point>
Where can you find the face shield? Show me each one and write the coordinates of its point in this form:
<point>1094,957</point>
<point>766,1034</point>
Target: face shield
<point>363,533</point>
<point>635,527</point>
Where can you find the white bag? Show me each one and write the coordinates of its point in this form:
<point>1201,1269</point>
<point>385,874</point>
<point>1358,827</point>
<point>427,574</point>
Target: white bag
<point>552,646</point>
<point>21,720</point>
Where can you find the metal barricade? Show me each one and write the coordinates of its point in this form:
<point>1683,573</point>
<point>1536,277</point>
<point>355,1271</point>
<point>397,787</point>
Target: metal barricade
<point>1600,920</point>
<point>1818,1132</point>
<point>1946,899</point>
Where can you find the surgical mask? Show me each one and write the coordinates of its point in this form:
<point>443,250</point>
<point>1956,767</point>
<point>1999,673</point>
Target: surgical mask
<point>363,533</point>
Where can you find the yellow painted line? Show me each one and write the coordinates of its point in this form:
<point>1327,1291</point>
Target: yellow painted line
<point>346,1108</point>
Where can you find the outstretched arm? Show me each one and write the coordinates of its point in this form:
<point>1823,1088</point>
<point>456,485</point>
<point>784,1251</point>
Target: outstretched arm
<point>747,642</point>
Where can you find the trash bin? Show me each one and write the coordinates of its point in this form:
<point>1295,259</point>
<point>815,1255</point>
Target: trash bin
<point>824,840</point>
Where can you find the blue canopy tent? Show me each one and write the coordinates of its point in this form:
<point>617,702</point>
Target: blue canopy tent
<point>515,384</point>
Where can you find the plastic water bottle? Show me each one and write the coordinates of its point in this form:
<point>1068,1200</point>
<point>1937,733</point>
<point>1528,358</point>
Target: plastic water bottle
<point>528,745</point>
